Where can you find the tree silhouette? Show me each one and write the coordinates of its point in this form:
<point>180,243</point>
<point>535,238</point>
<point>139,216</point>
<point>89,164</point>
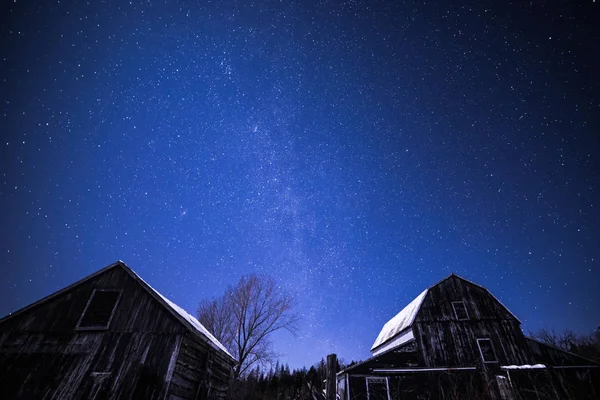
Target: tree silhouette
<point>245,316</point>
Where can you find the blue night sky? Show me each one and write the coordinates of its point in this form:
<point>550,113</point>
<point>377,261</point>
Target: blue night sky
<point>357,152</point>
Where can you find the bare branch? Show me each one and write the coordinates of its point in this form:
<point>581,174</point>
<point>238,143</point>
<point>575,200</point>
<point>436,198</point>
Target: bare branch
<point>246,315</point>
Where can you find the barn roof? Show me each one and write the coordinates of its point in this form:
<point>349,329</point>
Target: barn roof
<point>401,321</point>
<point>405,318</point>
<point>179,313</point>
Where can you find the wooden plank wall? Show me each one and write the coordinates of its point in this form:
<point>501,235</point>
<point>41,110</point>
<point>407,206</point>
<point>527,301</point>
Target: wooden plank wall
<point>85,365</point>
<point>137,311</point>
<point>189,370</point>
<point>200,369</point>
<point>130,359</point>
<point>446,341</point>
<point>480,304</point>
<point>454,344</point>
<point>446,385</point>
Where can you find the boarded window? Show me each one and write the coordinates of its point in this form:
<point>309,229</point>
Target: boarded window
<point>377,389</point>
<point>460,310</point>
<point>487,350</point>
<point>99,309</point>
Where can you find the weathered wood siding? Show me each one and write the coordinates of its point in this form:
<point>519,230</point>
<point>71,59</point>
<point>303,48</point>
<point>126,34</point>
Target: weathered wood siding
<point>423,386</point>
<point>137,310</point>
<point>453,344</point>
<point>199,371</point>
<point>44,355</point>
<point>480,304</point>
<point>189,371</point>
<point>445,341</point>
<point>85,365</point>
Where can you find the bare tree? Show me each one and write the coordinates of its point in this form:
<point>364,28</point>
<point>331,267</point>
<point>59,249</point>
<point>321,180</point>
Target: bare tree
<point>217,316</point>
<point>246,315</point>
<point>564,340</point>
<point>587,346</point>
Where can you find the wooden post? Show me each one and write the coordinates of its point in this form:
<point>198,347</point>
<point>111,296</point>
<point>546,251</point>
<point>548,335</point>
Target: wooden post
<point>331,378</point>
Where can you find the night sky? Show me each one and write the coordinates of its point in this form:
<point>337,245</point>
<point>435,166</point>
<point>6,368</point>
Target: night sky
<point>357,152</point>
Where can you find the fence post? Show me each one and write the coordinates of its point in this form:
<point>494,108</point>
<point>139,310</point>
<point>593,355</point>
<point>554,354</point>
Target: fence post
<point>331,378</point>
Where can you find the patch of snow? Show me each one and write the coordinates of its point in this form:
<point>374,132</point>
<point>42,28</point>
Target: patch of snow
<point>525,366</point>
<point>401,321</point>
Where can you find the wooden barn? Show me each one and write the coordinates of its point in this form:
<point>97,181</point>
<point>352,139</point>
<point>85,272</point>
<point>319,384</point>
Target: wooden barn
<point>110,336</point>
<point>456,340</point>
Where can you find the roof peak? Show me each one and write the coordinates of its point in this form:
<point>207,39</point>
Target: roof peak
<point>405,318</point>
<point>179,313</point>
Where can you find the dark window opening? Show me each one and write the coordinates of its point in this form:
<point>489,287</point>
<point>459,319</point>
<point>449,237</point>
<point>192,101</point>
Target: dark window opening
<point>460,310</point>
<point>487,350</point>
<point>377,389</point>
<point>99,310</point>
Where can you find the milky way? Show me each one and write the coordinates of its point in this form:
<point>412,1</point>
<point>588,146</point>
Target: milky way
<point>357,152</point>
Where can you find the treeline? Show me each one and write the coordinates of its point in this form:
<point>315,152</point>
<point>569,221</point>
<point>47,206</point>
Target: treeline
<point>281,383</point>
<point>278,382</point>
<point>586,345</point>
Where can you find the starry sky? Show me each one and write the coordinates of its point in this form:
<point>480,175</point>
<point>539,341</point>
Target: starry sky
<point>358,152</point>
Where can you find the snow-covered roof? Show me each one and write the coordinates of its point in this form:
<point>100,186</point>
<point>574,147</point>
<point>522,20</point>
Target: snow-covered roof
<point>405,318</point>
<point>401,321</point>
<point>178,312</point>
<point>187,317</point>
